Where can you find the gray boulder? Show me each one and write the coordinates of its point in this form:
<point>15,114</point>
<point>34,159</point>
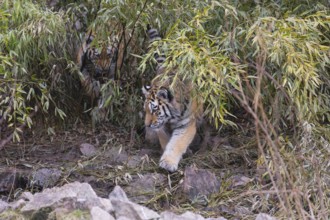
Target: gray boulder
<point>143,188</point>
<point>263,216</point>
<point>199,183</point>
<point>3,206</point>
<point>99,214</point>
<point>185,216</point>
<point>87,150</point>
<point>72,195</point>
<point>123,208</point>
<point>46,177</point>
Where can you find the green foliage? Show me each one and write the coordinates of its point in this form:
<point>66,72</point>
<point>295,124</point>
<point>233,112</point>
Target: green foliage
<point>276,67</point>
<point>220,46</point>
<point>32,64</point>
<point>195,55</point>
<point>297,57</point>
<point>270,58</point>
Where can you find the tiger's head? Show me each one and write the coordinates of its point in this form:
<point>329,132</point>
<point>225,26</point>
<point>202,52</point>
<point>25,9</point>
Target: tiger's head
<point>103,60</point>
<point>158,106</point>
<point>103,57</point>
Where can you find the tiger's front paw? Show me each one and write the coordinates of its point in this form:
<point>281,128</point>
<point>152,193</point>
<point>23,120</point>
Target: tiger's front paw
<point>169,163</point>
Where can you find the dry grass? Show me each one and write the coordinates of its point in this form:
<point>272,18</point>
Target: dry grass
<point>236,155</point>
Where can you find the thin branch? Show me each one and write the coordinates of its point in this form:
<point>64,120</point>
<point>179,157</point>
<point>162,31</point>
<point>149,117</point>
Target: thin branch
<point>132,33</point>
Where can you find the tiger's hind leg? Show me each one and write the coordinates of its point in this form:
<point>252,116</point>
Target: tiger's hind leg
<point>177,146</point>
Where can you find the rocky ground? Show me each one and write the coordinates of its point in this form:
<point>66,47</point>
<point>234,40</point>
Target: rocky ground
<point>79,201</point>
<point>38,177</point>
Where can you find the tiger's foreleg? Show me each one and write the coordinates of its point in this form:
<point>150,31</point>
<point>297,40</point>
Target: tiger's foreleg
<point>177,146</point>
<point>163,137</point>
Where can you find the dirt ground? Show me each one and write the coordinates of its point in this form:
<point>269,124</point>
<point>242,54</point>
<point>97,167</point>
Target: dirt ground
<point>120,160</point>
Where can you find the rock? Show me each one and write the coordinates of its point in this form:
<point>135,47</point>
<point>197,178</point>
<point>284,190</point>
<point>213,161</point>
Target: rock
<point>243,210</point>
<point>131,210</point>
<point>219,218</point>
<point>99,214</point>
<point>192,216</point>
<point>133,161</point>
<point>7,180</point>
<point>149,151</point>
<point>117,156</point>
<point>263,216</point>
<point>46,177</point>
<point>124,208</point>
<point>11,179</point>
<point>87,150</point>
<point>53,3</point>
<point>91,202</point>
<point>78,201</point>
<point>17,204</point>
<point>199,182</point>
<point>89,179</point>
<point>118,193</point>
<point>143,188</point>
<point>66,214</point>
<point>106,204</point>
<point>27,196</point>
<point>123,218</point>
<point>72,195</point>
<point>239,180</point>
<point>58,213</point>
<point>167,215</point>
<point>3,206</point>
<point>230,210</point>
<point>72,155</point>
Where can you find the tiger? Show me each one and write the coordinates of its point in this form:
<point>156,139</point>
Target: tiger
<point>171,111</point>
<point>96,65</point>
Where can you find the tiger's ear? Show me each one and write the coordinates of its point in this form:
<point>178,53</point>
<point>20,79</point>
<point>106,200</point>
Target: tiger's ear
<point>145,90</point>
<point>165,94</point>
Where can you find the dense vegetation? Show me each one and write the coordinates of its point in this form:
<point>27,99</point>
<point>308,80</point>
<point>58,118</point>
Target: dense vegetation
<point>270,58</point>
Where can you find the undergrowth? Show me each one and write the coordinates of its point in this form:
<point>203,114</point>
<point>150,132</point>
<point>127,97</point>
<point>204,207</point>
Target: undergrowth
<point>268,59</point>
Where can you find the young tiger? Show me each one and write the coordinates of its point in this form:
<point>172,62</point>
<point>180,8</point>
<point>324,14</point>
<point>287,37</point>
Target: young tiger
<point>174,114</point>
<point>97,65</point>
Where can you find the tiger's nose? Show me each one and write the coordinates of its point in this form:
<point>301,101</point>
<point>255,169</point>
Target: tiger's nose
<point>155,125</point>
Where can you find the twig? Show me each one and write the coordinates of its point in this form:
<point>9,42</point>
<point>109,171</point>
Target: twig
<point>132,33</point>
